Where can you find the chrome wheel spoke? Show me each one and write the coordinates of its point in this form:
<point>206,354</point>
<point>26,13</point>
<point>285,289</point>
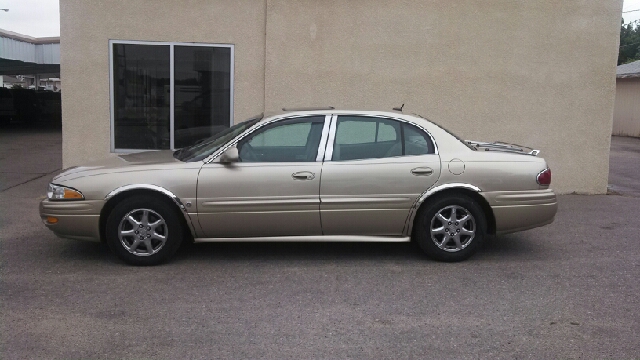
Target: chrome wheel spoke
<point>149,246</point>
<point>135,245</point>
<point>442,218</point>
<point>456,239</point>
<point>452,217</point>
<point>160,237</point>
<point>132,221</point>
<point>445,240</point>
<point>145,218</point>
<point>156,223</point>
<point>439,230</point>
<point>467,232</point>
<point>127,232</point>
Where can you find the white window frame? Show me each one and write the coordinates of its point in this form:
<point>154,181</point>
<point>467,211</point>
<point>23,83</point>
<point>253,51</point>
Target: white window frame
<point>171,86</point>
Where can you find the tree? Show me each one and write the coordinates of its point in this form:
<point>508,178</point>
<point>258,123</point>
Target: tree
<point>629,42</point>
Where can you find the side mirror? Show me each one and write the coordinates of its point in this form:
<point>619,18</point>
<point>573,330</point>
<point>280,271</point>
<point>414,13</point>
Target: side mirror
<point>230,155</point>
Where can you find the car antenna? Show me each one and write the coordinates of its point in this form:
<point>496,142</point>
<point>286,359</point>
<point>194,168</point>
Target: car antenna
<point>398,108</point>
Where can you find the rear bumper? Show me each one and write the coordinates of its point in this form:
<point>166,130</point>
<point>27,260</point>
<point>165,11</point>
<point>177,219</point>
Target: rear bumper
<point>522,210</point>
<point>78,220</point>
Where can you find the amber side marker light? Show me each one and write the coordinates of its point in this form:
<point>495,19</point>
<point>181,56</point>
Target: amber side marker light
<point>70,194</point>
<point>52,220</point>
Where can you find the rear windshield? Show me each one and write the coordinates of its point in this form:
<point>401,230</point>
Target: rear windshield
<point>449,132</point>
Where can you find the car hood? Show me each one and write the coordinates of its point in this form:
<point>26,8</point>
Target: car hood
<point>148,160</point>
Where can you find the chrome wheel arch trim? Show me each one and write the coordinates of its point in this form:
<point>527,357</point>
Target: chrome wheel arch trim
<point>156,188</point>
<point>408,227</point>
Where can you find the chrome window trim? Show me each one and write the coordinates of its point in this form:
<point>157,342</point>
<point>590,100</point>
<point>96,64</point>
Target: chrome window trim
<point>323,140</point>
<point>332,133</point>
<point>253,129</point>
<point>171,45</point>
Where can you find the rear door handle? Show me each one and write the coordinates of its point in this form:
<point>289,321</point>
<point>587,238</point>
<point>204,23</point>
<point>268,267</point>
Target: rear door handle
<point>422,171</point>
<point>303,175</point>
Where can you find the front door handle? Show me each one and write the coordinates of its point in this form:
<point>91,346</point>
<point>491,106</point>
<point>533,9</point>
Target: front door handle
<point>422,171</point>
<point>303,175</point>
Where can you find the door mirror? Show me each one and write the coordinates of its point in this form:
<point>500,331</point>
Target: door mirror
<point>230,155</point>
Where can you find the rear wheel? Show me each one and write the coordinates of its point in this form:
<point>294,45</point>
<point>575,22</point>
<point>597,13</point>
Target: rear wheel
<point>451,228</point>
<point>144,230</point>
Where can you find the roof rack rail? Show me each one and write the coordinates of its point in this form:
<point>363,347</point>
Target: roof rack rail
<point>309,108</point>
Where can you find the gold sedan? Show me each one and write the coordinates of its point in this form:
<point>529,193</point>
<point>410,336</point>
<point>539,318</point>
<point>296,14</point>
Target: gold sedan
<point>323,175</point>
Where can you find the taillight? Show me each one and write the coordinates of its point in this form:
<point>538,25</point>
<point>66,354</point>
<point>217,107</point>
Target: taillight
<point>544,177</point>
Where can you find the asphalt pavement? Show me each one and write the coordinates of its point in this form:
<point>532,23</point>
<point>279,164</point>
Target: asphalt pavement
<point>567,290</point>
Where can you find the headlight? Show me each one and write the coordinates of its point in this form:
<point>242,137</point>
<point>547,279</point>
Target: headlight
<point>57,192</point>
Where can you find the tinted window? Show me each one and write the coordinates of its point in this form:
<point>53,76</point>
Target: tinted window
<point>285,141</point>
<point>202,91</point>
<point>416,141</point>
<point>142,94</point>
<point>359,137</point>
<point>141,97</point>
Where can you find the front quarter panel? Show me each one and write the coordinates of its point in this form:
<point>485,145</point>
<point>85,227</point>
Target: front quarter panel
<point>177,178</point>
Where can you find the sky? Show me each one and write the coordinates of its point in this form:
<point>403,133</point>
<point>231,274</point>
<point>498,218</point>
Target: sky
<point>37,18</point>
<point>41,18</point>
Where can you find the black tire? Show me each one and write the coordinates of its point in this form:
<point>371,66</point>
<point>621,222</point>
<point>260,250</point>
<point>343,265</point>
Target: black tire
<point>162,220</point>
<point>439,245</point>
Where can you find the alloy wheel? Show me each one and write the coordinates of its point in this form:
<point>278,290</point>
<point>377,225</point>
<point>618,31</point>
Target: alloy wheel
<point>143,232</point>
<point>453,228</point>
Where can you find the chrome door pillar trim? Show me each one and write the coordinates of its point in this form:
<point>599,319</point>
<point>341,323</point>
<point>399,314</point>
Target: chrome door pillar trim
<point>323,140</point>
<point>332,136</point>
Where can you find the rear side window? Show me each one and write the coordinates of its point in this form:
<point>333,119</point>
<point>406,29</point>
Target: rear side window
<point>360,137</point>
<point>416,141</point>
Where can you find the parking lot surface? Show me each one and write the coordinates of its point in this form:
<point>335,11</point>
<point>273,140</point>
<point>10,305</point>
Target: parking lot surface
<point>567,290</point>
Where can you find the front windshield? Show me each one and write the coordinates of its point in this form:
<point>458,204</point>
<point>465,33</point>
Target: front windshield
<point>201,150</point>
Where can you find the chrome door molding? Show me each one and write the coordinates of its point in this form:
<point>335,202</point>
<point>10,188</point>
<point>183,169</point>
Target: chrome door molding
<point>311,238</point>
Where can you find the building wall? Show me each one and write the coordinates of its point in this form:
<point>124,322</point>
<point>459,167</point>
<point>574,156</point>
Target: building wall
<point>532,72</point>
<point>87,26</point>
<point>626,114</point>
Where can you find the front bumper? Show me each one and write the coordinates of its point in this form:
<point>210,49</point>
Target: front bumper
<point>522,210</point>
<point>78,220</point>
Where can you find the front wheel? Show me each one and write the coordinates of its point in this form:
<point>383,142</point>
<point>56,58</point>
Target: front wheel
<point>451,228</point>
<point>143,230</point>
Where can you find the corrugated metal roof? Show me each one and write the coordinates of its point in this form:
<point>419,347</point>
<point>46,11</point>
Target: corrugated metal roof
<point>629,70</point>
<point>14,46</point>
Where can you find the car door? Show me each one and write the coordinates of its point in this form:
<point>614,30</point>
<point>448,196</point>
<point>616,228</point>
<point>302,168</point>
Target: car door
<point>274,188</point>
<point>374,170</point>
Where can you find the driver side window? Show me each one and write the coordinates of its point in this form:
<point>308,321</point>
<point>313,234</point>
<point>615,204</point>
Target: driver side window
<point>294,140</point>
